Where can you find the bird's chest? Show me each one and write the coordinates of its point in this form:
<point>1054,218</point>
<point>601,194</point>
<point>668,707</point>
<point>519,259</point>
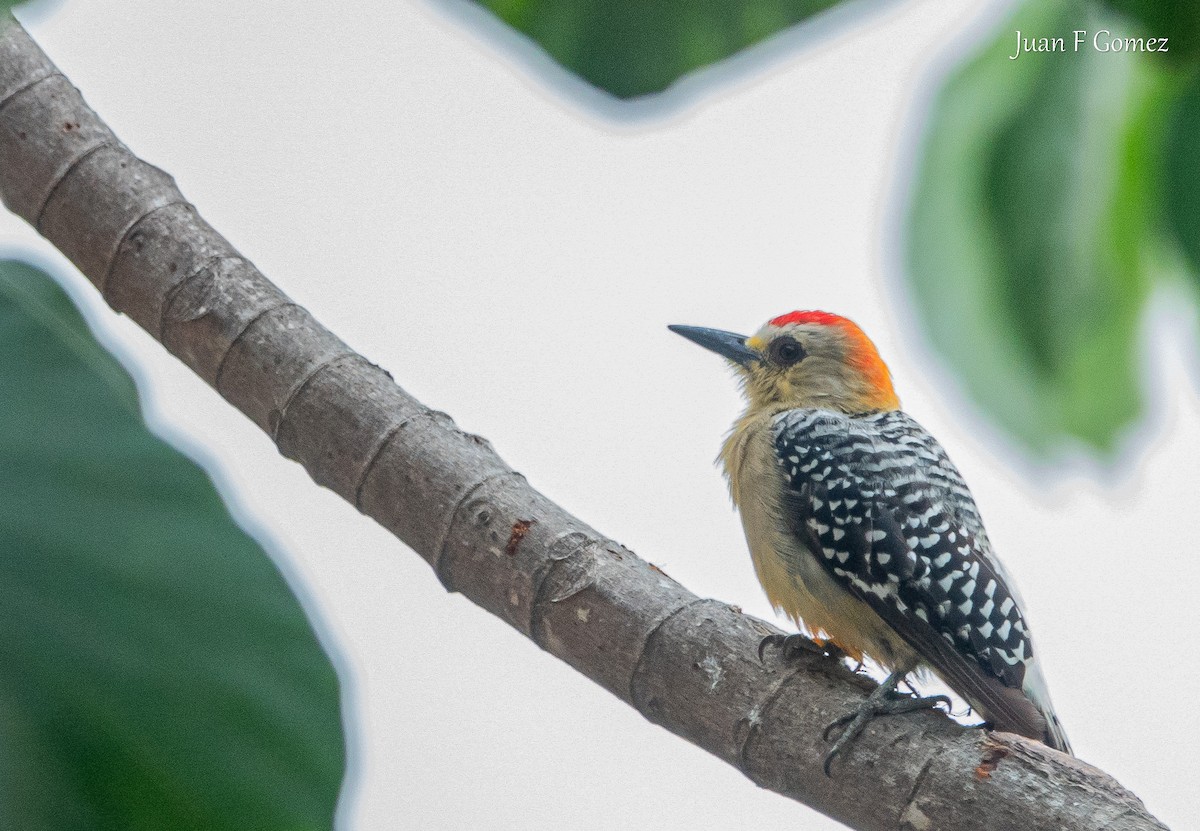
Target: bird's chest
<point>792,578</point>
<point>795,580</point>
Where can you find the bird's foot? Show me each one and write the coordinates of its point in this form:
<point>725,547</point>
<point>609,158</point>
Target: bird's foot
<point>793,646</point>
<point>884,700</point>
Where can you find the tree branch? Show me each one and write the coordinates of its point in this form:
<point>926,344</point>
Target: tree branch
<point>686,663</point>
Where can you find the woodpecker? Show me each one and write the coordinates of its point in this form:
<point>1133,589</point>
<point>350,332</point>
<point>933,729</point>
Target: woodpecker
<point>863,532</point>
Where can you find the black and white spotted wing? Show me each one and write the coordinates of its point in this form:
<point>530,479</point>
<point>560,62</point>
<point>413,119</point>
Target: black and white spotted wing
<point>890,518</point>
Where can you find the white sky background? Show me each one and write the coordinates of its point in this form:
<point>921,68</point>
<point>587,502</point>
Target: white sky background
<point>469,218</point>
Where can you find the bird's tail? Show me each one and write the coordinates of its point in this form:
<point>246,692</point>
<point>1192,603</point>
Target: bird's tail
<point>1037,692</point>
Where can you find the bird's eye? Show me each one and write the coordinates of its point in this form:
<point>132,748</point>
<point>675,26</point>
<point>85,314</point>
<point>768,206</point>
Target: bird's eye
<point>786,351</point>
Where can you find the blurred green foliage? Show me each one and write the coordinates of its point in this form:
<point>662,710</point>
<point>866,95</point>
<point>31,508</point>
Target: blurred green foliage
<point>1178,20</point>
<point>6,6</point>
<point>1182,177</point>
<point>1034,231</point>
<point>155,670</point>
<point>633,47</point>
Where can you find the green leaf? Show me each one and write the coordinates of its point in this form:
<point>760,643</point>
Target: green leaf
<point>1032,224</point>
<point>6,7</point>
<point>1176,20</point>
<point>155,670</point>
<point>1182,174</point>
<point>634,47</point>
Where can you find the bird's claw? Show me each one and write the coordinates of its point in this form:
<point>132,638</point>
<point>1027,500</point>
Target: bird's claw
<point>793,646</point>
<point>883,701</point>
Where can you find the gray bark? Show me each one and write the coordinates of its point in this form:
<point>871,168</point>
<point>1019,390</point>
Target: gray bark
<point>686,663</point>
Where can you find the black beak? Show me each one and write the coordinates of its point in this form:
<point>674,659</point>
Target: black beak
<point>726,344</point>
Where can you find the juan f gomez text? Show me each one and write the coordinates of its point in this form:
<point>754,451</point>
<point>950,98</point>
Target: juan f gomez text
<point>1100,41</point>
